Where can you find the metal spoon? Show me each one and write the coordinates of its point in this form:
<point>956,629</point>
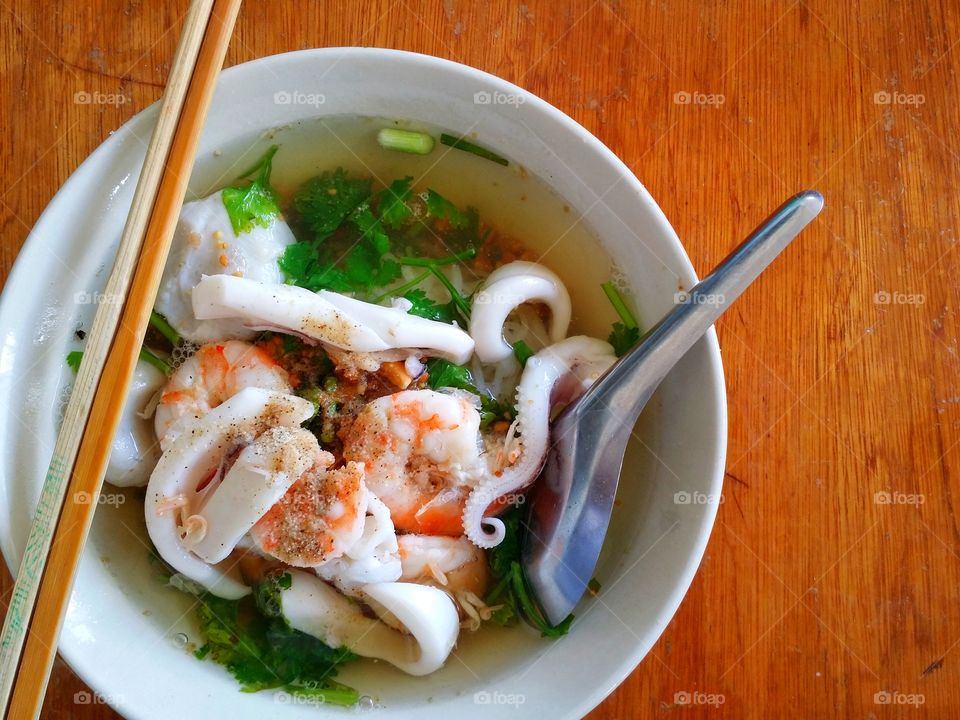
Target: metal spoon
<point>570,507</point>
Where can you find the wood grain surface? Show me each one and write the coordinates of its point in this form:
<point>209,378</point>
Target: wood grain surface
<point>830,586</point>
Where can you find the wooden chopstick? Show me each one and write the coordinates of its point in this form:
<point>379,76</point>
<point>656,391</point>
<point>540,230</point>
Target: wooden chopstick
<point>82,452</point>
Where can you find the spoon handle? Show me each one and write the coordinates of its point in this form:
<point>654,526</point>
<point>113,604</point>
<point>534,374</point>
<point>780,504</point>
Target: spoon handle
<point>630,382</point>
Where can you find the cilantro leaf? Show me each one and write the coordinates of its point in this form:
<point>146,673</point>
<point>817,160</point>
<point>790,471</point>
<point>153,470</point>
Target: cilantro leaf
<point>73,360</point>
<point>268,594</point>
<point>442,209</point>
<point>443,373</point>
<point>325,201</point>
<point>393,207</point>
<point>370,228</point>
<point>365,269</point>
<point>255,204</point>
<point>350,245</point>
<point>301,264</point>
<point>250,637</point>
<point>623,338</point>
<point>424,307</point>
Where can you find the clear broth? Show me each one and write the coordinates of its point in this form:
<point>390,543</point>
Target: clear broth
<point>520,206</point>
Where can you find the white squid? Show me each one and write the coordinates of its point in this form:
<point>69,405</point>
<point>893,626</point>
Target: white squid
<point>195,456</point>
<point>261,475</point>
<point>205,244</point>
<point>427,615</point>
<point>507,288</point>
<point>135,449</point>
<point>568,368</point>
<point>327,317</point>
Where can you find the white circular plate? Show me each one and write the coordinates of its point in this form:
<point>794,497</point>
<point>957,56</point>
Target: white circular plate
<point>119,629</point>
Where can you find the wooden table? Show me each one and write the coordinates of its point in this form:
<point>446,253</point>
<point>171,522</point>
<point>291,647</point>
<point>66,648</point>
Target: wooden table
<point>830,587</point>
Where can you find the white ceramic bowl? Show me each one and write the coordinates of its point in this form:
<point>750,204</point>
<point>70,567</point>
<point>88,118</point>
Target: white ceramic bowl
<point>120,625</point>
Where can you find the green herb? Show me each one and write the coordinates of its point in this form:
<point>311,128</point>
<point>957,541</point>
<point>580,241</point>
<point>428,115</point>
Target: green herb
<point>147,355</point>
<point>371,229</point>
<point>290,344</point>
<point>165,328</point>
<point>73,359</point>
<point>392,203</point>
<point>461,143</point>
<point>252,639</point>
<point>440,208</point>
<point>336,203</point>
<point>493,409</point>
<point>150,357</point>
<point>522,352</point>
<point>401,289</point>
<point>443,373</point>
<point>626,333</point>
<point>424,307</point>
<point>593,586</point>
<point>325,201</point>
<point>363,269</point>
<point>407,141</point>
<point>622,338</point>
<point>366,268</point>
<point>268,594</point>
<point>511,590</point>
<point>468,234</point>
<point>255,204</point>
<point>437,262</point>
<point>302,265</point>
<point>459,301</point>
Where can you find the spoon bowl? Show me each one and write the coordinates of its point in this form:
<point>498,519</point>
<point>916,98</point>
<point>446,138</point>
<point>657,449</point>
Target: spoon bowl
<point>571,505</point>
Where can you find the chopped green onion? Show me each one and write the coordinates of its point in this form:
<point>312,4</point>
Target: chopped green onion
<point>616,299</point>
<point>408,141</point>
<point>165,328</point>
<point>148,356</point>
<point>463,144</point>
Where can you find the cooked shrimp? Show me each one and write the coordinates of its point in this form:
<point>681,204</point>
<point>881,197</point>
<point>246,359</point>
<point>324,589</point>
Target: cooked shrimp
<point>373,558</point>
<point>212,375</point>
<point>422,455</point>
<point>320,517</point>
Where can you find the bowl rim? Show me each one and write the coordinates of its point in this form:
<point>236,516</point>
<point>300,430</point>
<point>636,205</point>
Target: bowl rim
<point>716,381</point>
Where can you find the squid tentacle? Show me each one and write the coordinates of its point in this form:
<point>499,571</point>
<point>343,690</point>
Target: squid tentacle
<point>573,365</point>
